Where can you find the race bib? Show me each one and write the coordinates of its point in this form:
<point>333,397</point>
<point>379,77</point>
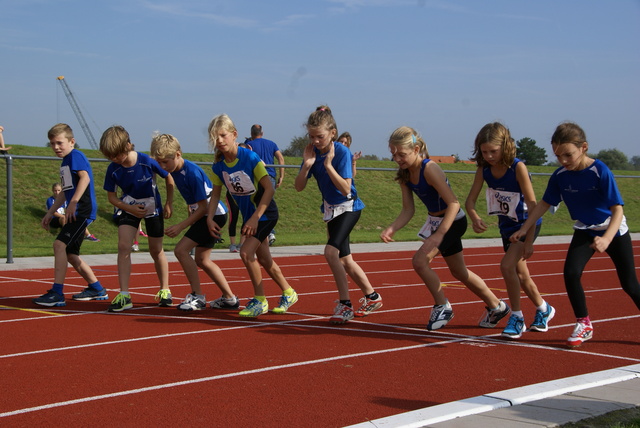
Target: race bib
<point>333,211</point>
<point>149,204</point>
<point>602,226</point>
<point>500,202</point>
<point>431,225</point>
<point>239,183</point>
<point>66,180</point>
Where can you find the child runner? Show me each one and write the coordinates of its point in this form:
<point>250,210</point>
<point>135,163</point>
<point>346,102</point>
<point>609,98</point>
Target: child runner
<point>509,195</point>
<point>346,140</point>
<point>195,188</point>
<point>330,163</point>
<point>244,175</point>
<point>591,194</point>
<point>79,196</point>
<point>442,232</point>
<point>134,173</point>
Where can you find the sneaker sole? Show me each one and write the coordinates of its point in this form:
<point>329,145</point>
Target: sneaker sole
<point>51,305</point>
<point>166,304</point>
<point>85,299</point>
<point>280,310</point>
<point>578,343</point>
<point>121,309</point>
<point>439,324</point>
<point>549,318</point>
<point>251,315</point>
<point>236,306</point>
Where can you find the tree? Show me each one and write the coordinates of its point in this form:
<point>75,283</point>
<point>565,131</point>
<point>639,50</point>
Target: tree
<point>528,152</point>
<point>635,161</point>
<point>296,147</point>
<point>613,158</point>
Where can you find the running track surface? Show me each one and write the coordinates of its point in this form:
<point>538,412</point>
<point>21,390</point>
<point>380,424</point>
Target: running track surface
<point>80,365</point>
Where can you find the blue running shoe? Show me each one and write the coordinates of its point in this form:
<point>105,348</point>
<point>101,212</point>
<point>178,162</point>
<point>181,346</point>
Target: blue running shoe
<point>91,294</point>
<point>541,320</point>
<point>50,298</point>
<point>515,327</point>
<point>440,316</point>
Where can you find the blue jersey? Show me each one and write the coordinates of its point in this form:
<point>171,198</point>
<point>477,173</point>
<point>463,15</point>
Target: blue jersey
<point>138,183</point>
<point>266,149</point>
<point>513,209</point>
<point>194,185</point>
<point>75,161</point>
<point>342,164</point>
<point>242,180</point>
<point>427,193</point>
<point>588,194</point>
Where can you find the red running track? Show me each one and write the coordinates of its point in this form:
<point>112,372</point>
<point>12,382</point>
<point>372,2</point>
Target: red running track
<point>80,365</point>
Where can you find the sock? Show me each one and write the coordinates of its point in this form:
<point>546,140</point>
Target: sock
<point>261,298</point>
<point>346,302</point>
<point>497,307</point>
<point>372,296</point>
<point>201,297</point>
<point>57,288</point>
<point>543,307</point>
<point>585,320</point>
<point>288,292</point>
<point>518,314</point>
<point>125,293</point>
<point>96,286</point>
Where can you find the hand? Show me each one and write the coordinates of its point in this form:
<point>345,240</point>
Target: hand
<point>356,156</point>
<point>517,236</point>
<point>328,157</point>
<point>45,221</point>
<point>173,231</point>
<point>600,244</point>
<point>250,227</point>
<point>167,211</point>
<point>387,235</point>
<point>214,228</point>
<point>479,226</point>
<point>431,243</point>
<point>309,155</point>
<point>70,212</point>
<point>138,211</point>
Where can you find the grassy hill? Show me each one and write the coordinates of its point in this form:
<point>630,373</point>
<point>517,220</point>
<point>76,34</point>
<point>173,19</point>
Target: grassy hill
<point>300,219</point>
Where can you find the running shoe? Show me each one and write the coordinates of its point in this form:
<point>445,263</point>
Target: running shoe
<point>135,247</point>
<point>581,333</point>
<point>272,239</point>
<point>368,306</point>
<point>440,316</point>
<point>515,327</point>
<point>142,233</point>
<point>233,248</point>
<point>541,320</point>
<point>192,303</point>
<point>120,303</point>
<point>92,238</point>
<point>254,308</point>
<point>492,317</point>
<point>341,314</point>
<point>50,298</point>
<point>164,298</point>
<point>285,303</point>
<point>224,303</point>
<point>91,294</point>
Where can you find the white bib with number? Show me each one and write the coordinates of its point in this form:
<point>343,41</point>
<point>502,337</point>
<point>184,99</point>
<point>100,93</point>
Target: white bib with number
<point>239,183</point>
<point>333,211</point>
<point>500,202</point>
<point>149,204</point>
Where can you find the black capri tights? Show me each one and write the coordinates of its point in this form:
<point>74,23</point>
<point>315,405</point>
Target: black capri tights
<point>621,252</point>
<point>339,230</point>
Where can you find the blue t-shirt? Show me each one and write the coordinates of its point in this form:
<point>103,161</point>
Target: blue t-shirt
<point>242,179</point>
<point>138,183</point>
<point>509,183</point>
<point>588,193</point>
<point>266,149</point>
<point>194,185</point>
<point>426,192</point>
<point>75,161</point>
<point>342,164</point>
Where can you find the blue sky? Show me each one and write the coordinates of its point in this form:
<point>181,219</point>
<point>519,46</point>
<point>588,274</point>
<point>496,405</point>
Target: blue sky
<point>443,67</point>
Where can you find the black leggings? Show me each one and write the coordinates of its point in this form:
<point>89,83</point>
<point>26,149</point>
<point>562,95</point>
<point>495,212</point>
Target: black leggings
<point>234,211</point>
<point>339,230</point>
<point>621,252</point>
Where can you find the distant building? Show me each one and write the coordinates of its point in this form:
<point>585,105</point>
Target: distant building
<point>449,159</point>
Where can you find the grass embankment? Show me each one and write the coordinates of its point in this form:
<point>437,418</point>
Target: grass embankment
<point>300,219</point>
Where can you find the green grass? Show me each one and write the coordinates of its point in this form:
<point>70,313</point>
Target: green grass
<point>300,219</point>
<point>625,418</point>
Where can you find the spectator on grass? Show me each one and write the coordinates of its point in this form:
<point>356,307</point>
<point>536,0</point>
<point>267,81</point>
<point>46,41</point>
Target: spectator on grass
<point>345,139</point>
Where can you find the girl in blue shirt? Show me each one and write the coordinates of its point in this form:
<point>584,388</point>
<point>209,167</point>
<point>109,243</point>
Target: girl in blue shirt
<point>330,163</point>
<point>442,233</point>
<point>244,175</point>
<point>589,190</point>
<point>509,195</point>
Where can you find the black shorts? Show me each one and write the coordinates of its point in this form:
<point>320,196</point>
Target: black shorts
<point>452,242</point>
<point>55,223</point>
<point>264,229</point>
<point>506,243</point>
<point>153,225</point>
<point>199,232</point>
<point>72,234</point>
<point>339,230</point>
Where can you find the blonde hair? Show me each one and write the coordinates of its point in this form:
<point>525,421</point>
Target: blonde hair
<point>54,185</point>
<point>569,132</point>
<point>60,128</point>
<point>322,117</point>
<point>407,137</point>
<point>499,135</point>
<point>164,146</point>
<point>219,123</point>
<point>347,137</point>
<point>115,141</point>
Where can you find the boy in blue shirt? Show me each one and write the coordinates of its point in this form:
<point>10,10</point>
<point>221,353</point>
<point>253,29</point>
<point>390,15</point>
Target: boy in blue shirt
<point>135,174</point>
<point>76,178</point>
<point>195,187</point>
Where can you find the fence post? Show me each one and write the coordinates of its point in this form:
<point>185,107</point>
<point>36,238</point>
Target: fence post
<point>9,161</point>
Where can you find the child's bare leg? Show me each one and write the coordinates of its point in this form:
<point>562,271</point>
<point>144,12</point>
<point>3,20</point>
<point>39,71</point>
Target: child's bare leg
<point>265,259</point>
<point>528,285</point>
<point>356,273</point>
<point>248,256</point>
<point>472,281</point>
<point>60,261</point>
<point>159,260</point>
<point>508,267</point>
<point>203,260</point>
<point>332,255</point>
<point>422,265</point>
<point>82,268</point>
<point>189,266</point>
<point>125,240</point>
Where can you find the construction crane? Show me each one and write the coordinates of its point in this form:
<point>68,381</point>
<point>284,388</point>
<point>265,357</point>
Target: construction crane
<point>78,113</point>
